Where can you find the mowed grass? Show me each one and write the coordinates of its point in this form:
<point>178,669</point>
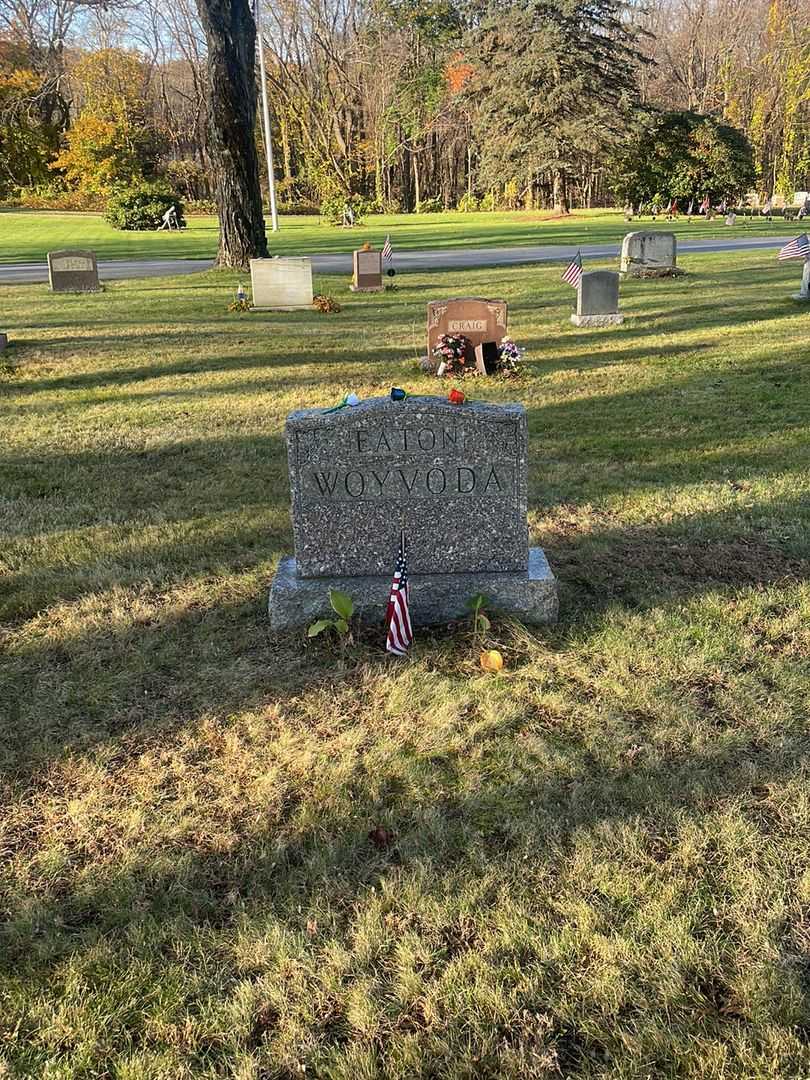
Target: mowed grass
<point>27,236</point>
<point>600,860</point>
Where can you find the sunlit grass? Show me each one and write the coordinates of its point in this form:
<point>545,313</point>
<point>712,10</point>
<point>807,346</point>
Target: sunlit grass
<point>599,862</point>
<point>27,236</point>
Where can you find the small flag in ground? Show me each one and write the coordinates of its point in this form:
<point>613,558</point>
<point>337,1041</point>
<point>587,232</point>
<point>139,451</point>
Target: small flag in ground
<point>706,205</point>
<point>796,249</point>
<point>398,616</point>
<point>387,251</point>
<point>691,209</point>
<point>768,207</point>
<point>572,275</point>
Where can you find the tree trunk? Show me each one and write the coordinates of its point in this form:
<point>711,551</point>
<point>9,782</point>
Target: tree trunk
<point>231,35</point>
<point>560,193</point>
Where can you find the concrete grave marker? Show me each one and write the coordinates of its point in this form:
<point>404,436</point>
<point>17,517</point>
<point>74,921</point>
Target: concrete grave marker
<point>281,284</point>
<point>367,271</point>
<point>804,288</point>
<point>649,254</point>
<point>598,299</point>
<point>455,474</point>
<point>478,320</point>
<point>72,271</point>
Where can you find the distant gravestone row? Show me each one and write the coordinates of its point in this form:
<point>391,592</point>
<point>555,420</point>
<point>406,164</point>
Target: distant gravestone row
<point>455,478</point>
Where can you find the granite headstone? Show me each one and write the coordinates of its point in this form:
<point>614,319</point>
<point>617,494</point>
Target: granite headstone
<point>804,288</point>
<point>455,477</point>
<point>649,254</point>
<point>598,299</point>
<point>73,271</point>
<point>367,271</point>
<point>281,284</point>
<point>477,319</point>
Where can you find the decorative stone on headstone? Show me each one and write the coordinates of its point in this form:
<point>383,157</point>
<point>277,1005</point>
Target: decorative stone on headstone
<point>281,284</point>
<point>367,271</point>
<point>649,254</point>
<point>73,271</point>
<point>454,476</point>
<point>598,299</point>
<point>478,320</point>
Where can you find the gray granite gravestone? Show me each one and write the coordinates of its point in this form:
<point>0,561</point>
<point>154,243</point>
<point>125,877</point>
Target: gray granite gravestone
<point>73,271</point>
<point>3,341</point>
<point>453,475</point>
<point>598,299</point>
<point>649,254</point>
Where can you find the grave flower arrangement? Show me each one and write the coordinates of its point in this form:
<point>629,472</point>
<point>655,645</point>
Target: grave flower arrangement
<point>451,352</point>
<point>510,359</point>
<point>325,304</point>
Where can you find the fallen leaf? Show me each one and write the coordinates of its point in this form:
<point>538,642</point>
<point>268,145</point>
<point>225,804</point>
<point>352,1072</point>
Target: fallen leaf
<point>491,660</point>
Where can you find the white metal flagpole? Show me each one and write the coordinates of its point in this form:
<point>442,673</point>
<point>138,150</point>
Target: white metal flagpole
<point>268,144</point>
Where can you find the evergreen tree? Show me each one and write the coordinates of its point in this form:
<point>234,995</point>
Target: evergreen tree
<point>554,83</point>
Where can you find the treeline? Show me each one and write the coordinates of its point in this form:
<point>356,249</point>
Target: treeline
<point>418,104</point>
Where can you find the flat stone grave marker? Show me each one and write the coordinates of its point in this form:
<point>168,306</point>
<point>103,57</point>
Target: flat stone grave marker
<point>649,254</point>
<point>477,319</point>
<point>367,271</point>
<point>281,284</point>
<point>453,476</point>
<point>73,271</point>
<point>598,299</point>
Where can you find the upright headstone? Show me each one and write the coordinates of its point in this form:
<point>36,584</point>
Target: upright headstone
<point>486,358</point>
<point>598,299</point>
<point>3,341</point>
<point>73,271</point>
<point>478,320</point>
<point>367,271</point>
<point>454,476</point>
<point>281,284</point>
<point>804,288</point>
<point>649,254</point>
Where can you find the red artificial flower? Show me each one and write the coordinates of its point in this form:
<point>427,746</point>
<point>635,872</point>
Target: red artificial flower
<point>455,397</point>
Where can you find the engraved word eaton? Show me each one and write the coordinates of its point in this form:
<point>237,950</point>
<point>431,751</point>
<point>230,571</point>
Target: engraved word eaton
<point>456,475</point>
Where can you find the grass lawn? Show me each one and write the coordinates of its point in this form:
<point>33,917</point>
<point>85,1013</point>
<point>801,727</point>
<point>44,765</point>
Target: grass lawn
<point>600,863</point>
<point>27,236</point>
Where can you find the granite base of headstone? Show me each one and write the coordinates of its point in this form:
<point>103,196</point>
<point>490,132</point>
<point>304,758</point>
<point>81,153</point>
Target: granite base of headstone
<point>367,271</point>
<point>281,284</point>
<point>804,289</point>
<point>649,255</point>
<point>73,271</point>
<point>455,477</point>
<point>598,299</point>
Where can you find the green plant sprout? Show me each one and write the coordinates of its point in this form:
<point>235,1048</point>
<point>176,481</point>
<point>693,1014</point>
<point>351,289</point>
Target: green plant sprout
<point>343,607</point>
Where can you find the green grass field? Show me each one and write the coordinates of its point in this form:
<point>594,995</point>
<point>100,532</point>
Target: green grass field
<point>27,236</point>
<point>600,863</point>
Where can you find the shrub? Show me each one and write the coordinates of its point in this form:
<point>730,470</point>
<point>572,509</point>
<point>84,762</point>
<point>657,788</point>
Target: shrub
<point>200,206</point>
<point>468,203</point>
<point>57,197</point>
<point>488,202</point>
<point>142,207</point>
<point>430,206</point>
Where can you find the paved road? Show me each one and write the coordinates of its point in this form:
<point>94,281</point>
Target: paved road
<point>447,259</point>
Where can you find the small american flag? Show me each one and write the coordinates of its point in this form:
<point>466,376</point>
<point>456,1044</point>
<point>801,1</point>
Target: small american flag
<point>398,616</point>
<point>799,248</point>
<point>706,205</point>
<point>768,207</point>
<point>572,275</point>
<point>691,209</point>
<point>387,251</point>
